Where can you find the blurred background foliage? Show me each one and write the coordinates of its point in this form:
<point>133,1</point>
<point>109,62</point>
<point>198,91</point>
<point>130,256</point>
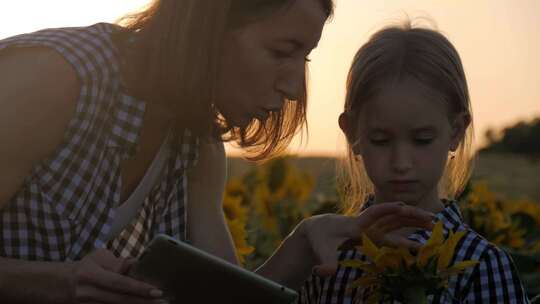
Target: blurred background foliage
<point>522,138</point>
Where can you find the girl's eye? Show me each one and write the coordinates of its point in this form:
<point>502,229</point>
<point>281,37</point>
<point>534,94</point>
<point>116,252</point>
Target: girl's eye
<point>423,141</point>
<point>379,142</point>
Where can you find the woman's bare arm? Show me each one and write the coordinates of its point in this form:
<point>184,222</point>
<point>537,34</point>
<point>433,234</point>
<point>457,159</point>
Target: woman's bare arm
<point>207,227</point>
<point>38,92</point>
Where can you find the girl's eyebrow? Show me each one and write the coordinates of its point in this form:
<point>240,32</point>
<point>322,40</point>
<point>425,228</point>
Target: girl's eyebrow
<point>425,129</point>
<point>377,129</point>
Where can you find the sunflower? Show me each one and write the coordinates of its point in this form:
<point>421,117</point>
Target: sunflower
<point>237,215</point>
<point>396,274</point>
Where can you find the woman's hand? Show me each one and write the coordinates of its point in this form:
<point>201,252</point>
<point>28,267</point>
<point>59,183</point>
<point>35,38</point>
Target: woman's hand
<point>100,278</point>
<point>380,222</point>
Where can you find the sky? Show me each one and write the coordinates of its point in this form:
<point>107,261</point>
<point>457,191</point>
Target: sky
<point>498,42</point>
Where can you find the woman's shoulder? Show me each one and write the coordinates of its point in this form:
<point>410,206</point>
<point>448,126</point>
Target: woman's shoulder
<point>36,82</point>
<point>90,50</point>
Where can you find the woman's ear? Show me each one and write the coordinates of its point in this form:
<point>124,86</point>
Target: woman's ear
<point>459,128</point>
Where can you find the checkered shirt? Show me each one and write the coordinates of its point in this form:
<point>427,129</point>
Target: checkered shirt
<point>494,280</point>
<point>67,203</point>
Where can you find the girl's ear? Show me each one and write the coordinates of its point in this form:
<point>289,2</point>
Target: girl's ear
<point>347,128</point>
<point>459,127</point>
<point>343,122</point>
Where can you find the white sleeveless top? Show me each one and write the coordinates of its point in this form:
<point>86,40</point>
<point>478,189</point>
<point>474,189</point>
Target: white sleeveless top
<point>128,210</point>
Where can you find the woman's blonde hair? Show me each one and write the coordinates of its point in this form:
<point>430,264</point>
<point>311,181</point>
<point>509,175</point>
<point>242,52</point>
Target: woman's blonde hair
<point>393,54</point>
<point>174,62</point>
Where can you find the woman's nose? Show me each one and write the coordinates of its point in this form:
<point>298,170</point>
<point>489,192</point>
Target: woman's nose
<point>291,82</point>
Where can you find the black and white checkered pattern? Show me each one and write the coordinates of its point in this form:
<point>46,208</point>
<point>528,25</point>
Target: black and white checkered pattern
<point>67,203</point>
<point>494,280</point>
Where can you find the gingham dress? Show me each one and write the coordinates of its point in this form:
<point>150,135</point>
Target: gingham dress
<point>67,203</point>
<point>494,280</point>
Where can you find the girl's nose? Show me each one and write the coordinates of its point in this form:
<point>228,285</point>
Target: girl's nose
<point>401,159</point>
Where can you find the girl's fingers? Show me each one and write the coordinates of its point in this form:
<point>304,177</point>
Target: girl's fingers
<point>412,212</point>
<point>350,244</point>
<point>325,270</point>
<point>399,209</point>
<point>386,223</point>
<point>409,244</point>
<point>329,256</point>
<point>380,210</point>
<point>391,223</point>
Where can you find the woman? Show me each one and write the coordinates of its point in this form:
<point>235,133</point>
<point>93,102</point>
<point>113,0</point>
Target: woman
<point>112,134</point>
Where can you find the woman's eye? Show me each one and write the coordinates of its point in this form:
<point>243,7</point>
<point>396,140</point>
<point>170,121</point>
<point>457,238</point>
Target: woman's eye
<point>281,54</point>
<point>307,59</point>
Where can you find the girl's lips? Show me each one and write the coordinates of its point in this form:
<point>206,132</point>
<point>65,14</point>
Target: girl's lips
<point>403,181</point>
<point>403,185</point>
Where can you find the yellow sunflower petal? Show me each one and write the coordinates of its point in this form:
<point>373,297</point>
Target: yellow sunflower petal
<point>425,253</point>
<point>388,258</point>
<point>406,256</point>
<point>365,266</point>
<point>447,250</point>
<point>432,246</point>
<point>369,248</point>
<point>437,237</point>
<point>364,282</point>
<point>459,267</point>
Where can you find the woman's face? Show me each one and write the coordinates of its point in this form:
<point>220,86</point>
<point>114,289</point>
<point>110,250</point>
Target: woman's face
<point>263,63</point>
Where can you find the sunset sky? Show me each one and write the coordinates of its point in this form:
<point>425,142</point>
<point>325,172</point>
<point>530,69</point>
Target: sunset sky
<point>498,41</point>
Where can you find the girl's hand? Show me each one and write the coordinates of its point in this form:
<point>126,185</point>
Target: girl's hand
<point>380,222</point>
<point>100,278</point>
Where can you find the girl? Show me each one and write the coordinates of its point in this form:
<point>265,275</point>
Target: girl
<point>111,134</point>
<point>408,122</point>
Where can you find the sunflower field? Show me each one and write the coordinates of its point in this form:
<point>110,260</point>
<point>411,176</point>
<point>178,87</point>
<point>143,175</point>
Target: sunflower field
<point>264,204</point>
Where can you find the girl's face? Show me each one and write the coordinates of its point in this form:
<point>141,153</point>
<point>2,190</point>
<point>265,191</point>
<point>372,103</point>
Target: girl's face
<point>263,63</point>
<point>404,137</point>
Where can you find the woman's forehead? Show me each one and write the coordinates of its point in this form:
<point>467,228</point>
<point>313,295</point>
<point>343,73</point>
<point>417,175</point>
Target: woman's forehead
<point>302,20</point>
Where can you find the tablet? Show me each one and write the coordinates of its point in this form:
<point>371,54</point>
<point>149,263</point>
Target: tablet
<point>184,272</point>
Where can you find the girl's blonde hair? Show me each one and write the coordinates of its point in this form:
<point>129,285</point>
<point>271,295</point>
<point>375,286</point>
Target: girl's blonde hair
<point>392,54</point>
<point>174,62</point>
